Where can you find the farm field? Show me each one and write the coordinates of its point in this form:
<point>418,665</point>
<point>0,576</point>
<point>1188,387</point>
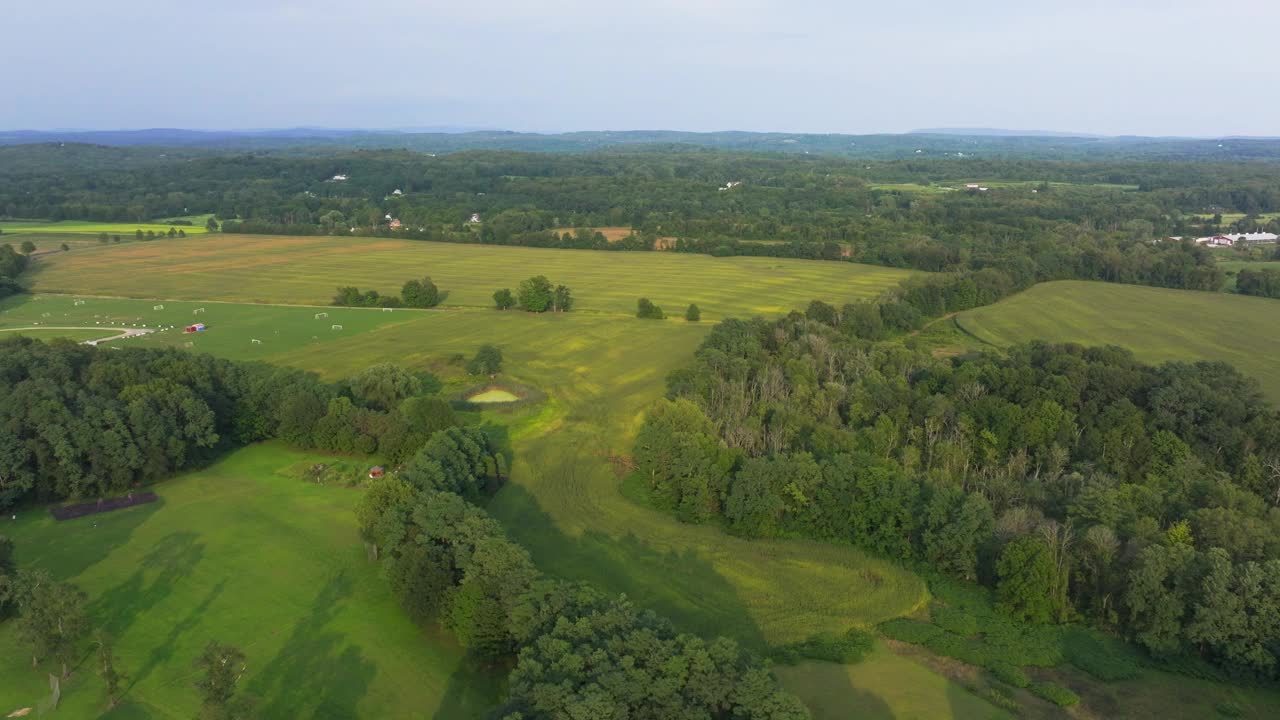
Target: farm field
<point>307,270</point>
<point>1157,324</point>
<point>242,554</point>
<point>87,227</point>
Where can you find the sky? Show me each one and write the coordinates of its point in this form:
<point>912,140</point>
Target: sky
<point>1142,67</point>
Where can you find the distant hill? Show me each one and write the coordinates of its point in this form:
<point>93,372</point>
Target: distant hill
<point>958,144</point>
<point>1000,132</point>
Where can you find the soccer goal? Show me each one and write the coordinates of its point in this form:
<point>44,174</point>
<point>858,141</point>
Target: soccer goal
<point>336,327</point>
<point>197,311</point>
<point>386,309</point>
<point>254,341</point>
<point>79,302</point>
<point>321,315</point>
<point>157,307</point>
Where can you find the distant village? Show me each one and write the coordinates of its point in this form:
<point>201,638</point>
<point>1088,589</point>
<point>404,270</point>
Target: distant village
<point>1231,239</point>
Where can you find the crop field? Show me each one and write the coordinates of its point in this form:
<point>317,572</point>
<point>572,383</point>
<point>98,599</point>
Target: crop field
<point>307,270</point>
<point>1157,324</point>
<point>243,554</point>
<point>1232,267</point>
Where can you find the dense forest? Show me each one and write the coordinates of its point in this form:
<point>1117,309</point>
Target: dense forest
<point>1078,484</point>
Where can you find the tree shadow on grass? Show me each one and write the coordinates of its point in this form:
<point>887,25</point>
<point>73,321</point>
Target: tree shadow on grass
<point>681,586</point>
<point>162,654</point>
<point>168,563</point>
<point>317,673</point>
<point>70,547</point>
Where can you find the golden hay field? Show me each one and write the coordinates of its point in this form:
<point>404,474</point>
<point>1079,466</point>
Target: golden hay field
<point>307,270</point>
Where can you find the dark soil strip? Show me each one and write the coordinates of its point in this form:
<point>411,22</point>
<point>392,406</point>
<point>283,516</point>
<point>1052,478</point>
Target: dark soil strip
<point>68,512</point>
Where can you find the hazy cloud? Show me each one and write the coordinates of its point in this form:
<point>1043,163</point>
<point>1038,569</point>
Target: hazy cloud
<point>1125,66</point>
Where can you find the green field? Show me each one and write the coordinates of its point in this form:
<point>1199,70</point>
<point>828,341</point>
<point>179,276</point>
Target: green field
<point>306,270</point>
<point>49,333</point>
<point>1157,324</point>
<point>247,555</point>
<point>82,227</point>
<point>565,502</point>
<point>1235,266</point>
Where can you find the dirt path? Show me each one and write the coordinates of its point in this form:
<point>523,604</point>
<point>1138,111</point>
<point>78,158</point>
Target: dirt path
<point>119,334</point>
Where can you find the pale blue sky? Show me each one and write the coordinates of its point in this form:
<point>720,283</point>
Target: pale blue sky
<point>1192,67</point>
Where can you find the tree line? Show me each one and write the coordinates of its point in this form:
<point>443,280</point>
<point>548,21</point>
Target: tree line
<point>82,423</point>
<point>413,294</point>
<point>1078,484</point>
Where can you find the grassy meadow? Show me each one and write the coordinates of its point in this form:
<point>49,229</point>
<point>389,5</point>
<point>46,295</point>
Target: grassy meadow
<point>84,227</point>
<point>599,370</point>
<point>307,270</point>
<point>1157,324</point>
<point>242,552</point>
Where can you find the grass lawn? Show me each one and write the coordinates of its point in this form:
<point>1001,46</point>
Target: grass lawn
<point>49,333</point>
<point>1156,323</point>
<point>88,227</point>
<point>245,555</point>
<point>307,270</point>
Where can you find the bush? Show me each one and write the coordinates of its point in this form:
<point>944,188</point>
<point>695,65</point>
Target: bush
<point>1103,658</point>
<point>1001,699</point>
<point>845,649</point>
<point>910,631</point>
<point>693,314</point>
<point>955,621</point>
<point>1054,693</point>
<point>1008,673</point>
<point>1226,708</point>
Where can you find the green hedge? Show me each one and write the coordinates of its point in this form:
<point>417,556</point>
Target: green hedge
<point>846,649</point>
<point>1009,673</point>
<point>1054,693</point>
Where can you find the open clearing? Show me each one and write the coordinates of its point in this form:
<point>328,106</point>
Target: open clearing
<point>1156,324</point>
<point>307,270</point>
<point>79,335</point>
<point>245,555</point>
<point>494,395</point>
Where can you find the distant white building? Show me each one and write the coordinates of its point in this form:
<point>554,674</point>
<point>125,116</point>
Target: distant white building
<point>1230,239</point>
<point>396,192</point>
<point>339,178</point>
<point>731,185</point>
<point>475,218</point>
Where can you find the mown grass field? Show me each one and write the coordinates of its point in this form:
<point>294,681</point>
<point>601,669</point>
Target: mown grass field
<point>47,334</point>
<point>1157,324</point>
<point>81,227</point>
<point>245,554</point>
<point>307,270</point>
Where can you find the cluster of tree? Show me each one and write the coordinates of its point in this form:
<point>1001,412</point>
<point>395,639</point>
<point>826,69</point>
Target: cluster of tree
<point>1263,283</point>
<point>536,295</point>
<point>149,235</point>
<point>414,293</point>
<point>1056,475</point>
<point>576,651</point>
<point>82,422</point>
<point>12,263</point>
<point>646,310</point>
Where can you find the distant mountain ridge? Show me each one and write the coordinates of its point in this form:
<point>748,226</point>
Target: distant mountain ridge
<point>958,144</point>
<point>1002,132</point>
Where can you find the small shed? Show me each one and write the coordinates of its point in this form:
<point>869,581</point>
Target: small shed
<point>198,327</point>
<point>376,472</point>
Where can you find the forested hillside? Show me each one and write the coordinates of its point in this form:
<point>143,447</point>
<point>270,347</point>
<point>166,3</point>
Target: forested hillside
<point>1077,483</point>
